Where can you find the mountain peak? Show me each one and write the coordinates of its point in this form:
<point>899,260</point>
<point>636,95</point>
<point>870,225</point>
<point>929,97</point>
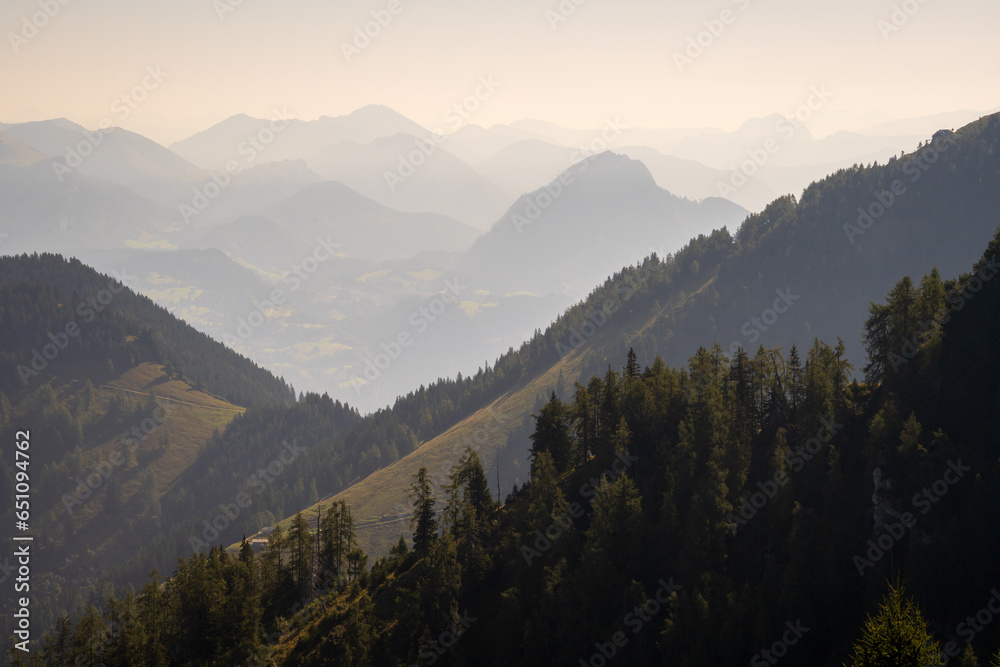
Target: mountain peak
<point>614,168</point>
<point>375,108</point>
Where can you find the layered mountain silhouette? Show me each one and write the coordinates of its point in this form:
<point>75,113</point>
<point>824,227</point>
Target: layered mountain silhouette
<point>604,212</point>
<point>282,137</point>
<point>417,175</point>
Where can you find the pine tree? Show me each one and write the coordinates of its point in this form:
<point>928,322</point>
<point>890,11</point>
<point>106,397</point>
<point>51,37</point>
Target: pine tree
<point>795,381</point>
<point>401,549</point>
<point>89,637</point>
<point>890,330</point>
<point>126,640</point>
<point>301,542</point>
<point>631,365</point>
<point>424,521</point>
<point>895,637</point>
<point>586,424</point>
<point>551,433</point>
<point>468,512</point>
<point>931,302</point>
<point>275,577</point>
<point>968,657</point>
<point>337,530</point>
<point>614,538</point>
<point>153,616</point>
<point>610,406</point>
<point>59,648</point>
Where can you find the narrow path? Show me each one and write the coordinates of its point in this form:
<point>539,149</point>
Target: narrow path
<point>145,393</point>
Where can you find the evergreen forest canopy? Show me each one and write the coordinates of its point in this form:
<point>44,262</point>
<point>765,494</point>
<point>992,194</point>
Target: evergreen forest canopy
<point>719,513</point>
<point>691,452</point>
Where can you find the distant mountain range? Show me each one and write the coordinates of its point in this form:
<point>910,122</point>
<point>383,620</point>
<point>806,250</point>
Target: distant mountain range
<point>408,173</point>
<point>603,211</point>
<point>598,261</point>
<point>801,270</point>
<point>279,137</point>
<point>482,201</point>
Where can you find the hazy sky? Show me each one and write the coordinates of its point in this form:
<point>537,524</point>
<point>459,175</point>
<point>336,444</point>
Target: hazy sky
<point>607,58</point>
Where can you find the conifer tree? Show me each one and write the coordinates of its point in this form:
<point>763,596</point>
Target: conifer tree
<point>301,542</point>
<point>59,647</point>
<point>586,424</point>
<point>551,433</point>
<point>631,365</point>
<point>896,636</point>
<point>338,539</point>
<point>424,521</point>
<point>89,637</point>
<point>968,658</point>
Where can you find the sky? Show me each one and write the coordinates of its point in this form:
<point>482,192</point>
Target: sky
<point>571,62</point>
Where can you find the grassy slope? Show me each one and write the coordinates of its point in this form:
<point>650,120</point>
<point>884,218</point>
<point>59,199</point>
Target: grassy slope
<point>379,502</point>
<point>385,490</point>
<point>191,418</point>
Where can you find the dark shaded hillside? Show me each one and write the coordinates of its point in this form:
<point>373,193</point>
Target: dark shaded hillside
<point>815,248</point>
<point>724,288</point>
<point>45,294</point>
<point>710,433</point>
<point>716,514</point>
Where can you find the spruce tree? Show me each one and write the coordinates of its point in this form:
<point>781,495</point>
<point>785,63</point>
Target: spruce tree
<point>551,434</point>
<point>424,521</point>
<point>968,657</point>
<point>301,541</point>
<point>895,637</point>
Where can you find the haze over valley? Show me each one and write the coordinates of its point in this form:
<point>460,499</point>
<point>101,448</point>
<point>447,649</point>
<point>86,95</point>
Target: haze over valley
<point>533,333</point>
